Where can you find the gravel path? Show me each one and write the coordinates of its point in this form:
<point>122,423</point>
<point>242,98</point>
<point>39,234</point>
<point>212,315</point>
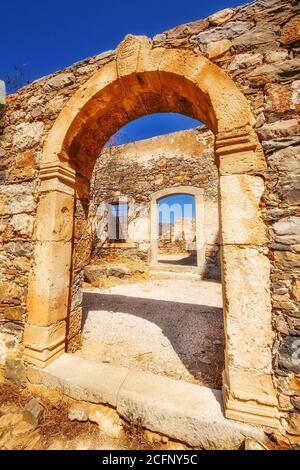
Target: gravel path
<point>173,328</point>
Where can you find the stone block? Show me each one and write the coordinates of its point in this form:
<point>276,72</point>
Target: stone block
<point>250,385</point>
<point>291,31</point>
<point>22,224</point>
<point>16,199</point>
<point>26,159</point>
<point>78,413</point>
<point>296,290</point>
<point>48,300</point>
<point>278,72</point>
<point>21,429</point>
<point>296,402</point>
<point>11,292</point>
<point>251,397</point>
<point>294,424</point>
<point>119,270</point>
<point>289,354</point>
<point>55,217</point>
<point>281,98</point>
<point>242,162</point>
<point>287,260</point>
<point>279,129</point>
<point>96,382</point>
<point>245,61</point>
<point>14,313</point>
<point>287,230</point>
<point>22,263</point>
<point>260,37</point>
<point>247,308</point>
<point>228,31</point>
<point>59,81</point>
<point>278,55</point>
<point>241,222</point>
<point>33,412</point>
<point>287,160</point>
<point>251,444</point>
<point>19,248</point>
<point>185,30</point>
<point>15,370</point>
<point>40,338</point>
<point>218,48</point>
<point>222,16</point>
<point>27,135</point>
<point>156,402</point>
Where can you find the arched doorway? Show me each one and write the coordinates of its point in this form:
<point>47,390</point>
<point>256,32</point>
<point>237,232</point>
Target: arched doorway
<point>140,80</point>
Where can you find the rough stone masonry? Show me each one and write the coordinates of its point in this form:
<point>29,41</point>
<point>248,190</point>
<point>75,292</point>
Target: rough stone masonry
<point>258,46</point>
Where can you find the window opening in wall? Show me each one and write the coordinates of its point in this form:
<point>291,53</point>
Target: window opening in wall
<point>118,222</point>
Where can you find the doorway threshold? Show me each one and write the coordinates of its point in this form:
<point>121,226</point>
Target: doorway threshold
<point>190,413</point>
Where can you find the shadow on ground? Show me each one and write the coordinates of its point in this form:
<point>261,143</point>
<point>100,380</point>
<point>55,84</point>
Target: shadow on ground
<point>194,331</point>
<point>184,261</point>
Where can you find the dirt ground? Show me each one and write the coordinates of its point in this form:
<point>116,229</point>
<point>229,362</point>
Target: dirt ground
<point>172,328</point>
<point>58,432</point>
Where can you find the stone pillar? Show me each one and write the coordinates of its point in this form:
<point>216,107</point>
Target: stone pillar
<point>83,234</point>
<point>249,393</point>
<point>45,332</point>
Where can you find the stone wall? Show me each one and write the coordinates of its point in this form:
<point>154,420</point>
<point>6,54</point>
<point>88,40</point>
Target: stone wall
<point>28,117</point>
<point>258,46</point>
<point>137,170</point>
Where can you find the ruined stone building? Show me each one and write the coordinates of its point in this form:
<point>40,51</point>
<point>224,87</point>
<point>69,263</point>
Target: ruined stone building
<point>238,73</point>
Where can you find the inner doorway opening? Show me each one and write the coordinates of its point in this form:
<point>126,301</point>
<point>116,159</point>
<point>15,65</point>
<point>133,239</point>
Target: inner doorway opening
<point>177,230</point>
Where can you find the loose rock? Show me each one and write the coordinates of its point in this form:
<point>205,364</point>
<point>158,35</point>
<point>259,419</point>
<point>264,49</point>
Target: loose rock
<point>33,412</point>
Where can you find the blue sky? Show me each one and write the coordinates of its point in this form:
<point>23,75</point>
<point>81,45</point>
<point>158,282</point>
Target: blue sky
<point>40,37</point>
<point>177,205</point>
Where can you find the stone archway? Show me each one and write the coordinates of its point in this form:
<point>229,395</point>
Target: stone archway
<point>199,216</point>
<point>141,80</point>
